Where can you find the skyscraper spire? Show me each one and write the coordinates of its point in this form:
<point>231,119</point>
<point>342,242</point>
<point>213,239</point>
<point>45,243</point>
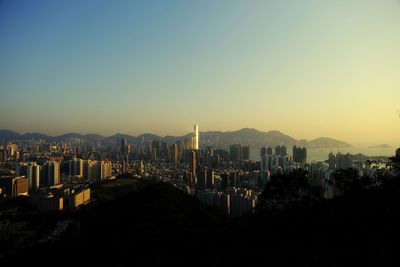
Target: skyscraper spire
<point>196,136</point>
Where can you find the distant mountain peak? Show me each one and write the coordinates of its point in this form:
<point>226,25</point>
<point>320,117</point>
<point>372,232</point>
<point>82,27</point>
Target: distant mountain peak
<point>327,142</point>
<point>248,130</point>
<point>274,132</point>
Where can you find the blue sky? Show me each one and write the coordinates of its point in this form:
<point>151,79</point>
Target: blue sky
<point>307,68</point>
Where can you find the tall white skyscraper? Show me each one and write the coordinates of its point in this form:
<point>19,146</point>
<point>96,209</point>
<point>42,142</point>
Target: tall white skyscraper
<point>196,136</point>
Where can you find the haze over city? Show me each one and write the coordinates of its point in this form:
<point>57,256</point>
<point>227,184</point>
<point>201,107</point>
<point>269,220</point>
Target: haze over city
<point>205,132</point>
<point>306,68</point>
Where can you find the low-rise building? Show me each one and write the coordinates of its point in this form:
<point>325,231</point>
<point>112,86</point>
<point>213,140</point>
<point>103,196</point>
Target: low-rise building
<point>14,186</point>
<point>47,202</point>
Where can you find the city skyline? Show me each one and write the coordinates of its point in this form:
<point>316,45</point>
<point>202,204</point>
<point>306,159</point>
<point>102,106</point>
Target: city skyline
<point>306,68</point>
<point>246,132</point>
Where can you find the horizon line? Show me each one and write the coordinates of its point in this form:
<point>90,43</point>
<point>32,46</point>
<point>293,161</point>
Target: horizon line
<point>163,136</point>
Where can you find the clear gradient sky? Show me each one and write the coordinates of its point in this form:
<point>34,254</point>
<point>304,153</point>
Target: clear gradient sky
<point>306,68</point>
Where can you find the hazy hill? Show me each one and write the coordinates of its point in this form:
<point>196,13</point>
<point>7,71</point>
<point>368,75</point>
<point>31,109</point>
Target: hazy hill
<point>35,136</point>
<point>246,136</point>
<point>217,139</point>
<point>9,135</point>
<point>325,142</point>
<point>381,146</point>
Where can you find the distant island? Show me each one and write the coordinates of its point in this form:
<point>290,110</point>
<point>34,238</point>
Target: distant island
<point>217,139</point>
<point>381,146</point>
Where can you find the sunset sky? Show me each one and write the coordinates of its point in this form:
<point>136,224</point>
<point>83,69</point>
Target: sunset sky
<point>306,68</point>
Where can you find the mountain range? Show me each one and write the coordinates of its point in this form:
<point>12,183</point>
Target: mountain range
<point>217,139</point>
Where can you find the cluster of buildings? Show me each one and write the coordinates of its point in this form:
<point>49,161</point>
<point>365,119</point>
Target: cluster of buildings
<point>278,160</point>
<point>59,174</point>
<point>160,151</point>
<point>239,153</point>
<point>48,174</point>
<point>9,153</point>
<point>233,201</point>
<point>44,175</point>
<point>60,198</point>
<point>92,170</point>
<point>43,184</point>
<point>45,199</point>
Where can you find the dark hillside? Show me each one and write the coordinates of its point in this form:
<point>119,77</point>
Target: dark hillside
<point>160,225</point>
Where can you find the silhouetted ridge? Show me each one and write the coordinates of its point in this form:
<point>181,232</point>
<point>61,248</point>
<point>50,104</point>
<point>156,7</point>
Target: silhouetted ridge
<point>218,139</point>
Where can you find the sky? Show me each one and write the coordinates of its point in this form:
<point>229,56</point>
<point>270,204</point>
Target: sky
<point>305,68</point>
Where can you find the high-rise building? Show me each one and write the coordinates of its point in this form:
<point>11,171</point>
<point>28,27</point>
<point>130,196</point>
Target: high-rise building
<point>155,144</point>
<point>282,160</point>
<point>208,157</point>
<point>180,146</point>
<point>50,173</point>
<point>164,150</point>
<point>280,150</point>
<point>188,143</point>
<point>88,169</point>
<point>193,163</point>
<point>174,153</point>
<point>210,181</point>
<point>12,149</point>
<point>263,151</point>
<point>340,161</point>
<point>245,153</point>
<point>103,170</point>
<point>196,137</point>
<point>3,155</point>
<point>344,161</point>
<point>222,153</point>
<point>332,161</point>
<point>235,153</point>
<point>124,145</point>
<point>154,152</point>
<point>32,171</point>
<point>97,170</point>
<point>201,182</point>
<point>299,154</point>
<point>269,150</point>
<point>216,159</point>
<point>263,162</point>
<point>75,167</point>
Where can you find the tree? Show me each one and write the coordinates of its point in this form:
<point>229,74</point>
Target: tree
<point>345,180</point>
<point>284,190</point>
<point>394,163</point>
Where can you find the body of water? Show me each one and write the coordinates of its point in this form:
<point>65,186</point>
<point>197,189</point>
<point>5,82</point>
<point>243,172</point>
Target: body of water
<point>321,154</point>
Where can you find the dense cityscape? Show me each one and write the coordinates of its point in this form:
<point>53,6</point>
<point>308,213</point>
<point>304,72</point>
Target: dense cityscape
<point>68,174</point>
<point>211,133</point>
